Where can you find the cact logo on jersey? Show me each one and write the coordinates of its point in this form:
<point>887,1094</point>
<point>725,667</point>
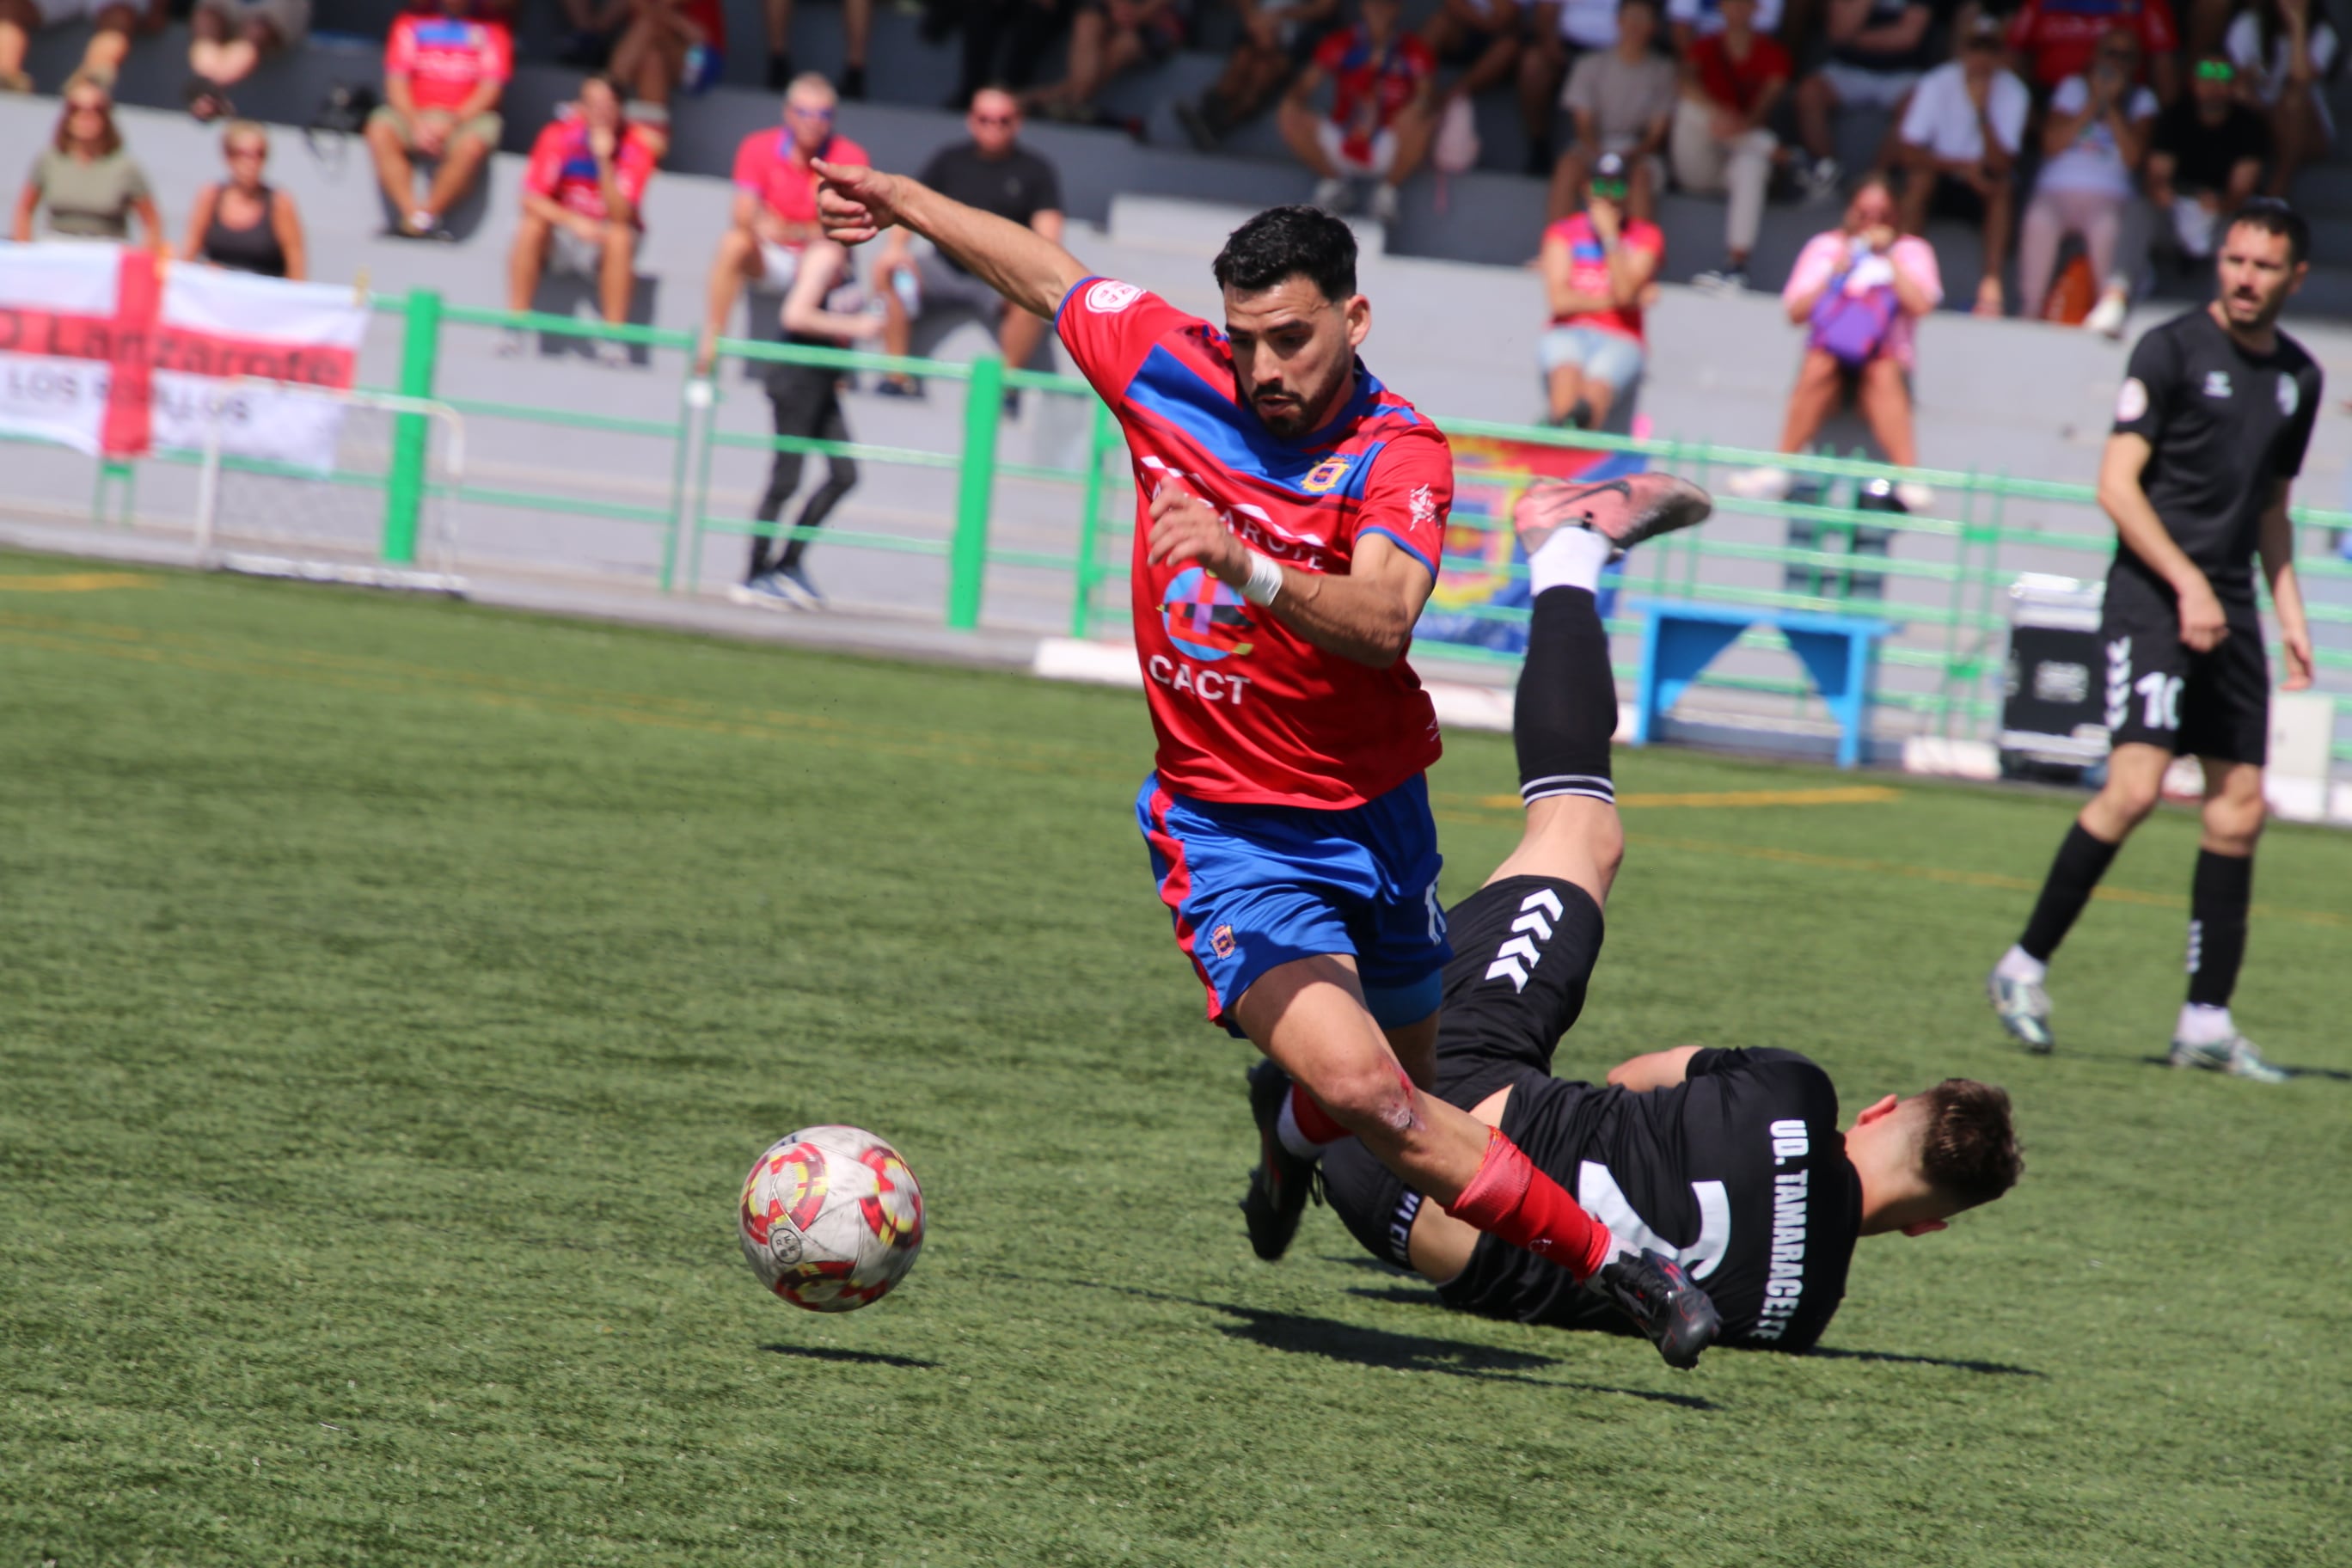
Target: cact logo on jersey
<point>1205,617</point>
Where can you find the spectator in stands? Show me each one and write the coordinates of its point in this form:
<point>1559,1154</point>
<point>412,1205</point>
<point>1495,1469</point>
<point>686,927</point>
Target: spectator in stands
<point>2206,159</point>
<point>1722,143</point>
<point>227,38</point>
<point>668,46</point>
<point>1960,137</point>
<point>1858,291</point>
<point>90,187</point>
<point>242,223</point>
<point>1877,51</point>
<point>444,73</point>
<point>1107,38</point>
<point>1382,115</point>
<point>1483,36</point>
<point>825,309</point>
<point>2285,50</point>
<point>1688,21</point>
<point>2093,139</point>
<point>1621,101</point>
<point>1005,41</point>
<point>1598,266</point>
<point>774,216</point>
<point>1558,33</point>
<point>995,174</point>
<point>2053,39</point>
<point>856,26</point>
<point>1277,41</point>
<point>112,21</point>
<point>584,197</point>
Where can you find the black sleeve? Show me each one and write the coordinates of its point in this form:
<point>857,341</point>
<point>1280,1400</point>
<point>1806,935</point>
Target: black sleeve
<point>1049,189</point>
<point>1711,1060</point>
<point>2295,439</point>
<point>2150,389</point>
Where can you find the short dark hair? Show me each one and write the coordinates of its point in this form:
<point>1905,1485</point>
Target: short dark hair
<point>2273,216</point>
<point>1290,242</point>
<point>1967,1150</point>
<point>612,84</point>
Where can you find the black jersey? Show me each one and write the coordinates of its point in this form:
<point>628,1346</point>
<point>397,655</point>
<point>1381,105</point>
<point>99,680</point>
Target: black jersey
<point>2221,424</point>
<point>1740,1171</point>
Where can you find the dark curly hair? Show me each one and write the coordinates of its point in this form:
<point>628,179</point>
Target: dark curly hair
<point>1968,1149</point>
<point>1290,242</point>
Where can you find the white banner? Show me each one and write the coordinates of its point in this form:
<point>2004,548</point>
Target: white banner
<point>104,349</point>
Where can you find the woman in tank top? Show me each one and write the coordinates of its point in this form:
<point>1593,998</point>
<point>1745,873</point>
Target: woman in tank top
<point>242,224</point>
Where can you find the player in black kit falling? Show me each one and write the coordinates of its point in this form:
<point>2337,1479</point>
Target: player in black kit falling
<point>2210,432</point>
<point>1729,1161</point>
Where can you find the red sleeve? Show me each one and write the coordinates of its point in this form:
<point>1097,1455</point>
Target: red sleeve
<point>2159,33</point>
<point>546,163</point>
<point>1332,52</point>
<point>1418,56</point>
<point>1772,60</point>
<point>1409,493</point>
<point>498,53</point>
<point>750,167</point>
<point>1108,327</point>
<point>400,49</point>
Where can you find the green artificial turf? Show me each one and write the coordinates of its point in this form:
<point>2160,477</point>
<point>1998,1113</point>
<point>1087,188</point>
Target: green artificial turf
<point>394,994</point>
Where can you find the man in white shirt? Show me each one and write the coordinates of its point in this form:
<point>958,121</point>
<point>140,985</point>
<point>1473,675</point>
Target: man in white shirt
<point>1960,136</point>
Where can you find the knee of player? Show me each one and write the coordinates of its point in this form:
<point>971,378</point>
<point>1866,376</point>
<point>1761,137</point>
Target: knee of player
<point>2132,799</point>
<point>2233,822</point>
<point>1370,1098</point>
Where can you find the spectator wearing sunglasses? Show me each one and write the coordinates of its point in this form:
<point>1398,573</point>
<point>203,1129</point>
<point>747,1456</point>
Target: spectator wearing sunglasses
<point>88,185</point>
<point>2093,141</point>
<point>1600,269</point>
<point>774,216</point>
<point>2207,160</point>
<point>243,223</point>
<point>990,171</point>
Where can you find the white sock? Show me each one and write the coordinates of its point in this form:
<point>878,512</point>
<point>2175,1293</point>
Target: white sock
<point>1286,1129</point>
<point>2203,1026</point>
<point>2019,964</point>
<point>1572,558</point>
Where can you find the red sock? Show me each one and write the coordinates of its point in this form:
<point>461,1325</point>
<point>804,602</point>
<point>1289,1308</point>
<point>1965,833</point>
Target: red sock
<point>1314,1122</point>
<point>1510,1198</point>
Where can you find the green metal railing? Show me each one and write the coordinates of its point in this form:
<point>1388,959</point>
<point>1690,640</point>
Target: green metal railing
<point>1946,591</point>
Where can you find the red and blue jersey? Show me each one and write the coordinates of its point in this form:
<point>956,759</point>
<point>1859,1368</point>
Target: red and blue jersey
<point>444,59</point>
<point>1247,710</point>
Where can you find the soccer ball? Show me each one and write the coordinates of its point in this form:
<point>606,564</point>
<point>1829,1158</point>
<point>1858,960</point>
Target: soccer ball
<point>831,1218</point>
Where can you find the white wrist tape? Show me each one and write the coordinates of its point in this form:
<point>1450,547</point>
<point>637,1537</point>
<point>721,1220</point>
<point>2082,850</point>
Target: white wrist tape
<point>1265,580</point>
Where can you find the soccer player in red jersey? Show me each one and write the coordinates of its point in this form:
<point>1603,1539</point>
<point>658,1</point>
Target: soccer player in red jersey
<point>1291,509</point>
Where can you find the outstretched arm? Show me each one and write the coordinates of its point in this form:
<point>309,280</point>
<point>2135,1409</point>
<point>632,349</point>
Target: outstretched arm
<point>1653,1069</point>
<point>1032,271</point>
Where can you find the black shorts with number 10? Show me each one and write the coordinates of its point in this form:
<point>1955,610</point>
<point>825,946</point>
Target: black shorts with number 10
<point>2162,692</point>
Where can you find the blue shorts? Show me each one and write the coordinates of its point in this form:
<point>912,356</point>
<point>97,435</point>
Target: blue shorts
<point>1605,356</point>
<point>1254,887</point>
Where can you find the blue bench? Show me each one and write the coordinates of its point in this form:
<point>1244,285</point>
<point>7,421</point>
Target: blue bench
<point>1681,639</point>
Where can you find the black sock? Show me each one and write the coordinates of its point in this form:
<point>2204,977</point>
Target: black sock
<point>1566,709</point>
<point>2218,896</point>
<point>2082,861</point>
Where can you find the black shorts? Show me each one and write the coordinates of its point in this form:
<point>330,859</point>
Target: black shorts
<point>1524,950</point>
<point>2160,692</point>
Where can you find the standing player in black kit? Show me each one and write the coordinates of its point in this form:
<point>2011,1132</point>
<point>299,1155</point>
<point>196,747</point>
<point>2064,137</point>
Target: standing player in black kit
<point>1729,1162</point>
<point>2210,432</point>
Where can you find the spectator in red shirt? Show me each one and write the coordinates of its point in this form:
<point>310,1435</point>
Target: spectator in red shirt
<point>443,72</point>
<point>1599,268</point>
<point>584,203</point>
<point>2053,39</point>
<point>1720,142</point>
<point>1383,82</point>
<point>668,45</point>
<point>775,201</point>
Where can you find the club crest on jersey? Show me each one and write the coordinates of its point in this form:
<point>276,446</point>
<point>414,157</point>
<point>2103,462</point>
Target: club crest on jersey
<point>1109,298</point>
<point>2217,383</point>
<point>1222,939</point>
<point>2290,397</point>
<point>1324,476</point>
<point>1206,619</point>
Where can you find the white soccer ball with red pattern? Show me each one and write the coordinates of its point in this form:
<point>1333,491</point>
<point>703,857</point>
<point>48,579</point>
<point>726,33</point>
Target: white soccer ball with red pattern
<point>831,1218</point>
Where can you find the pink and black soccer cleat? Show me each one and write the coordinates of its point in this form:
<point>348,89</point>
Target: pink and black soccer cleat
<point>1624,510</point>
<point>1652,1289</point>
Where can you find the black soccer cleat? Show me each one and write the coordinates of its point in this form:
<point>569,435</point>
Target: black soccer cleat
<point>1281,1181</point>
<point>1652,1289</point>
